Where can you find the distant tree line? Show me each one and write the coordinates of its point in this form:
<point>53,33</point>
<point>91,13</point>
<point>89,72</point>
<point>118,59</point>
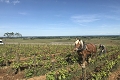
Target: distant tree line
<point>12,34</point>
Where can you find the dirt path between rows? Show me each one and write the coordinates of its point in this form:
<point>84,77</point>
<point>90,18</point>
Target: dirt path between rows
<point>115,75</point>
<point>38,78</point>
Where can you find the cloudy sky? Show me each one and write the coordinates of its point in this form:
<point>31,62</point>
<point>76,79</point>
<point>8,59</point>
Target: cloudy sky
<point>60,17</point>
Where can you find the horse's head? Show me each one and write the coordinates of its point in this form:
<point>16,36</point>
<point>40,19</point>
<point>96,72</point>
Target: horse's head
<point>78,45</point>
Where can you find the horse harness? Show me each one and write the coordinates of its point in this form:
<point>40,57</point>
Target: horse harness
<point>83,48</point>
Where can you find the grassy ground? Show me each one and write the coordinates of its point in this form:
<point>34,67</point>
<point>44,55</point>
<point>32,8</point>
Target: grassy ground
<point>106,41</point>
<point>35,40</point>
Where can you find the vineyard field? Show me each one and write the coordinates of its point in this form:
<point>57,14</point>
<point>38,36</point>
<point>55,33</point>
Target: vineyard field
<point>54,59</point>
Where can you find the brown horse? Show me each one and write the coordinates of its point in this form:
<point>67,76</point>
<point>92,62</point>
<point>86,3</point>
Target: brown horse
<point>85,51</point>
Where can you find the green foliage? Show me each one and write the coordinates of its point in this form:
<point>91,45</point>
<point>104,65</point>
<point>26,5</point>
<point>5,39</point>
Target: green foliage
<point>51,75</point>
<point>16,65</point>
<point>57,62</point>
<point>29,73</point>
<point>1,60</point>
<point>111,59</point>
<point>61,74</point>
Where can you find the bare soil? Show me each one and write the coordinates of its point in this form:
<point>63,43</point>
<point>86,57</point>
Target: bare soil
<point>7,74</point>
<point>115,75</point>
<point>38,78</point>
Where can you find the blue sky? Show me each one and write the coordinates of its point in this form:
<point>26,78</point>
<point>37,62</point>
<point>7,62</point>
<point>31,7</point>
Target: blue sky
<point>60,17</point>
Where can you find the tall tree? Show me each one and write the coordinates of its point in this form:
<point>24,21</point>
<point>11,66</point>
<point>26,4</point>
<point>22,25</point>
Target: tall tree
<point>6,34</point>
<point>18,35</point>
<point>12,34</point>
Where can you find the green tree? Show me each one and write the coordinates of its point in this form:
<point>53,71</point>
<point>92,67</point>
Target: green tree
<point>9,34</point>
<point>18,35</point>
<point>12,34</point>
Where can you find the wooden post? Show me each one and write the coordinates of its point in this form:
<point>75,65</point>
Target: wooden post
<point>6,60</point>
<point>17,59</point>
<point>34,64</point>
<point>84,71</point>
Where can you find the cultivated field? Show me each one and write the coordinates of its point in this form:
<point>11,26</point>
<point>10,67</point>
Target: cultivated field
<point>54,59</point>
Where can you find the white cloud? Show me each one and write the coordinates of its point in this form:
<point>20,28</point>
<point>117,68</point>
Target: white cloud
<point>85,18</point>
<point>112,17</point>
<point>22,13</point>
<point>15,2</point>
<point>8,1</point>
